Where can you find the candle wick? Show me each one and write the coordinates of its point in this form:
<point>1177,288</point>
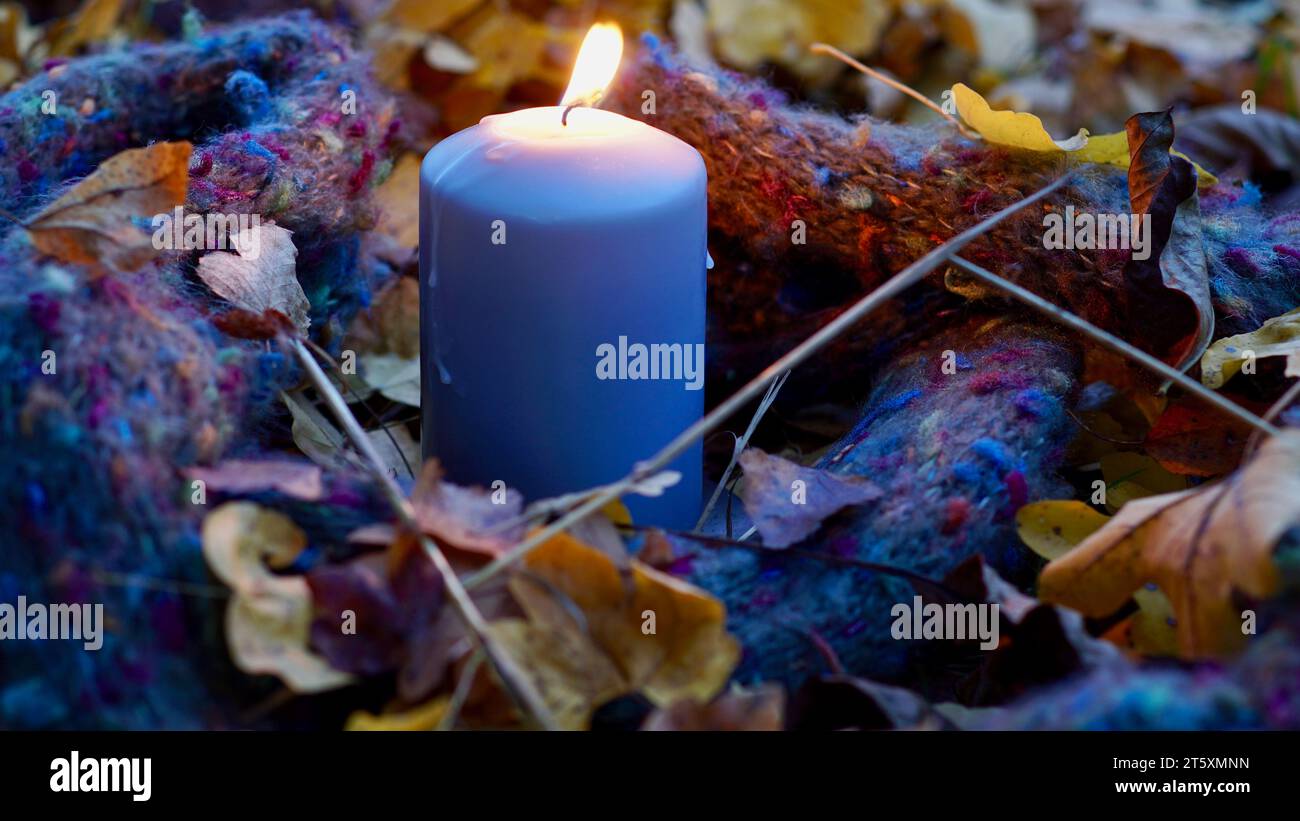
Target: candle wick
<point>564,118</point>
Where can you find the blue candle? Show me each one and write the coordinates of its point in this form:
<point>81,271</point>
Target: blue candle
<point>562,261</point>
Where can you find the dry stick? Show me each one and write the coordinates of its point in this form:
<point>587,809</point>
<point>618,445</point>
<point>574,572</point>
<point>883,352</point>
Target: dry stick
<point>768,399</point>
<point>1292,393</point>
<point>461,694</point>
<point>828,333</point>
<point>512,676</point>
<point>823,48</point>
<point>1116,344</point>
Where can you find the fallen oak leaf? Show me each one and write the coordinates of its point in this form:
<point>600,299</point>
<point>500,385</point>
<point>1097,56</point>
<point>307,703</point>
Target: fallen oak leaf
<point>261,275</point>
<point>1198,546</point>
<point>95,222</point>
<point>268,619</point>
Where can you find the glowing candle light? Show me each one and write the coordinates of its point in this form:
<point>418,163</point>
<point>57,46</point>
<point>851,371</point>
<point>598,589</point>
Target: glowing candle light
<point>562,258</point>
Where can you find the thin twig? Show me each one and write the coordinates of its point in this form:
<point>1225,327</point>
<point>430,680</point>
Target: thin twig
<point>823,48</point>
<point>828,333</point>
<point>516,682</point>
<point>768,399</point>
<point>324,354</point>
<point>1292,393</point>
<point>1116,344</point>
<point>461,693</point>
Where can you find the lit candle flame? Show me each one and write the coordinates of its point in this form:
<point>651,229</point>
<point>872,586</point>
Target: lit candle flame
<point>598,58</point>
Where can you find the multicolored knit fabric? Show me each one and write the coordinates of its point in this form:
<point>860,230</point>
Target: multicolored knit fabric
<point>93,506</point>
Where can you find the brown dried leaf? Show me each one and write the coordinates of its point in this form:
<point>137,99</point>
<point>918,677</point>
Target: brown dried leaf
<point>590,637</point>
<point>94,222</point>
<point>261,276</point>
<point>93,22</point>
<point>1198,546</point>
<point>298,480</point>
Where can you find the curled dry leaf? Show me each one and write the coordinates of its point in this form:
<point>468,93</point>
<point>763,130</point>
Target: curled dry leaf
<point>1011,128</point>
<point>396,602</point>
<point>98,221</point>
<point>261,275</point>
<point>1173,282</point>
<point>589,638</point>
<point>1198,546</point>
<point>268,619</point>
<point>298,480</point>
<point>786,512</point>
<point>468,519</point>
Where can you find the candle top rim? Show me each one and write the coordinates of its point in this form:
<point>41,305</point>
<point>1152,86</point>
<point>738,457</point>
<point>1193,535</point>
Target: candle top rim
<point>546,124</point>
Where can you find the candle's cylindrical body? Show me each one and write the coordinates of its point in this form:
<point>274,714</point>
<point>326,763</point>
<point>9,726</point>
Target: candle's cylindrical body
<point>563,304</point>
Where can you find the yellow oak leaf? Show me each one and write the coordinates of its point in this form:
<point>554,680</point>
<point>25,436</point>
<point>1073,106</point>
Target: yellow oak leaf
<point>1198,546</point>
<point>1279,336</point>
<point>1024,130</point>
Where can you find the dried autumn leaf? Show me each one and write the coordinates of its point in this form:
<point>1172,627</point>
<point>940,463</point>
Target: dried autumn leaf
<point>1112,149</point>
<point>261,275</point>
<point>1197,546</point>
<point>661,637</point>
<point>1024,130</point>
<point>749,33</point>
<point>467,519</point>
<point>1002,35</point>
<point>1052,528</point>
<point>396,199</point>
<point>268,619</point>
<point>1011,128</point>
<point>762,708</point>
<point>1279,336</point>
<point>424,717</point>
<point>95,222</point>
<point>294,479</point>
<point>423,16</point>
<point>93,22</point>
<point>788,502</point>
<point>1173,282</point>
<point>1192,440</point>
<point>1132,476</point>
